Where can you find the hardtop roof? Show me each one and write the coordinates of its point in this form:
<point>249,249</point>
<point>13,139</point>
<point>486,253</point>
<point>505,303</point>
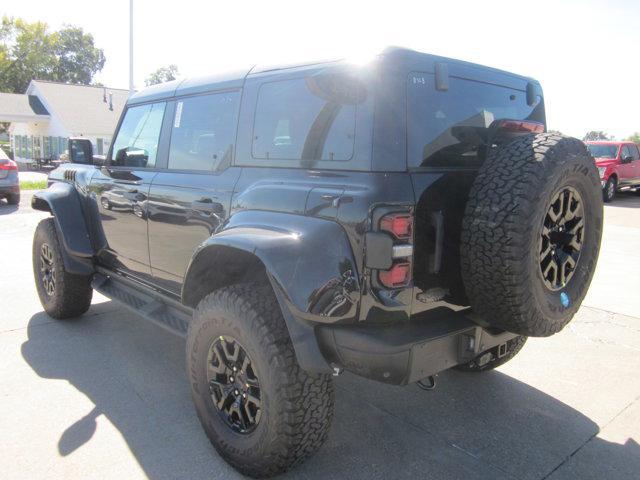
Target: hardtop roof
<point>393,58</point>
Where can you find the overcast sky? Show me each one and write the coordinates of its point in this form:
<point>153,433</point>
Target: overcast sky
<point>586,53</point>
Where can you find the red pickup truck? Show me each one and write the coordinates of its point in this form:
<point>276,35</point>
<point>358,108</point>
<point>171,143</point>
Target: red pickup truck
<point>618,164</point>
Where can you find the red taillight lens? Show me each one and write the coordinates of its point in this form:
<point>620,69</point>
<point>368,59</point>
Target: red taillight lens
<point>397,276</point>
<point>517,126</point>
<point>8,165</point>
<point>398,224</point>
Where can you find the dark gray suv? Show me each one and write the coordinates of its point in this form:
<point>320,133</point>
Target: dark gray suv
<point>394,220</point>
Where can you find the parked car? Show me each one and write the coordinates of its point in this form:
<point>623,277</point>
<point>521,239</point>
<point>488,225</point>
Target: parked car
<point>393,220</point>
<point>9,182</point>
<point>618,164</point>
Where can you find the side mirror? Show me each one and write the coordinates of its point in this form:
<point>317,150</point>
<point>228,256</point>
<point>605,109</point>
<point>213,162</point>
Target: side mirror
<point>627,159</point>
<point>80,151</point>
<point>131,158</point>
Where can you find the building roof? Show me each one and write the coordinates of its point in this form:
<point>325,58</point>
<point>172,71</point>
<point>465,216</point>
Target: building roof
<point>81,108</point>
<point>16,107</point>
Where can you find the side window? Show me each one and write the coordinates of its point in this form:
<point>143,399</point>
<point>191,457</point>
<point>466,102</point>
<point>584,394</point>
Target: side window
<point>634,152</point>
<point>136,144</point>
<point>300,120</point>
<point>626,152</point>
<point>204,131</point>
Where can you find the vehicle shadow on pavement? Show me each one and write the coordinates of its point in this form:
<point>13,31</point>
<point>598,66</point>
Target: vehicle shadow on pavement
<point>472,426</point>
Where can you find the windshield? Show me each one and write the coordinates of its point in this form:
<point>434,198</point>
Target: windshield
<point>603,151</point>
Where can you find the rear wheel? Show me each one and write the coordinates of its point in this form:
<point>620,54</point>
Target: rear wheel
<point>531,234</point>
<point>262,413</point>
<point>13,198</point>
<point>62,294</point>
<point>609,190</point>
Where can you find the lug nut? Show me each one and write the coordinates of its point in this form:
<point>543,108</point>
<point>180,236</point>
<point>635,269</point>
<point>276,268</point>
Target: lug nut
<point>244,395</point>
<point>236,392</point>
<point>231,379</point>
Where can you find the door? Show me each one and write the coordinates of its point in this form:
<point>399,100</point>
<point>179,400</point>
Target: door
<point>121,191</point>
<point>626,168</point>
<point>635,164</point>
<point>191,198</point>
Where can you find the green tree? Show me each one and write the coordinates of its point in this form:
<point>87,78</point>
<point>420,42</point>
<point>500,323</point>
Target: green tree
<point>78,60</point>
<point>596,135</point>
<point>30,51</point>
<point>635,137</point>
<point>163,74</point>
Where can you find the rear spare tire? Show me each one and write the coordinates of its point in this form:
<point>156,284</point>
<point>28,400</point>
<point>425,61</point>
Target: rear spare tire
<point>531,234</point>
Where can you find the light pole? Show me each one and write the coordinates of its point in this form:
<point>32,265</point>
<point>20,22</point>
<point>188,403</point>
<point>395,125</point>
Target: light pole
<point>130,47</point>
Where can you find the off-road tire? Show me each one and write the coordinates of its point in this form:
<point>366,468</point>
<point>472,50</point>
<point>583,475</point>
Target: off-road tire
<point>297,406</point>
<point>513,348</point>
<point>502,226</point>
<point>72,293</point>
<point>609,190</point>
<point>13,199</point>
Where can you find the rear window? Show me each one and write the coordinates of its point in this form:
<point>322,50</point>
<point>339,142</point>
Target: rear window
<point>296,120</point>
<point>446,128</point>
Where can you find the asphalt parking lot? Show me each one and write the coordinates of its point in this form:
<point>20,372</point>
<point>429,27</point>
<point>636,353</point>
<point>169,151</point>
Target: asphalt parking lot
<point>106,396</point>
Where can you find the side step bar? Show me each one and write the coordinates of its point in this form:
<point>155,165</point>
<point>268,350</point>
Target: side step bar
<point>154,306</point>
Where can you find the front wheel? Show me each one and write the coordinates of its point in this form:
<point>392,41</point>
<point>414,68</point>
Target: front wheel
<point>609,190</point>
<point>260,410</point>
<point>62,294</point>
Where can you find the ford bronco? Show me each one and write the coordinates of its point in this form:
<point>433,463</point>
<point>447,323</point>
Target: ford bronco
<point>393,220</point>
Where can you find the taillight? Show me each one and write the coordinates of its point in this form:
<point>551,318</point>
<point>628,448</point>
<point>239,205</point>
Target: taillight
<point>400,225</point>
<point>397,276</point>
<point>8,165</point>
<point>524,126</point>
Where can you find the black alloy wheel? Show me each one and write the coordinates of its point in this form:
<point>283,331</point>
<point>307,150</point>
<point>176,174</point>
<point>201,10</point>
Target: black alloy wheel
<point>47,269</point>
<point>233,385</point>
<point>562,238</point>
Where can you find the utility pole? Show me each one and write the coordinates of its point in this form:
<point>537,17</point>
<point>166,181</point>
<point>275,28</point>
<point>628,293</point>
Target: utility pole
<point>130,47</point>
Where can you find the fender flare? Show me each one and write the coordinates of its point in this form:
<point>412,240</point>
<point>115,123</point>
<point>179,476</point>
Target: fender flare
<point>309,263</point>
<point>63,202</point>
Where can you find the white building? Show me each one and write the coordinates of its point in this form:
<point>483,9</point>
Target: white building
<point>48,113</point>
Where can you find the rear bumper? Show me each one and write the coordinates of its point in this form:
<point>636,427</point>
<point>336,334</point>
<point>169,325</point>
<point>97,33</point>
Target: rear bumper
<point>9,189</point>
<point>408,352</point>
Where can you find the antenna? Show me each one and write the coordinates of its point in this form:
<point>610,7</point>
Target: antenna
<point>111,101</point>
